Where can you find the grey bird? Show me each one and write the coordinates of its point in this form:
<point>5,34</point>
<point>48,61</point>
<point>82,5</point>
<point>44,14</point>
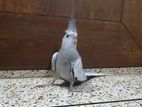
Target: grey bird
<point>67,63</point>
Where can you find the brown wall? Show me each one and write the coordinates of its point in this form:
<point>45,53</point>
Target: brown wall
<point>31,31</point>
<point>132,18</point>
<point>90,9</point>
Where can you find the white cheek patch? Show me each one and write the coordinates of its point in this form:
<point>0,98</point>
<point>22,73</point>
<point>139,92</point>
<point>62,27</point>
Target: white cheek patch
<point>71,32</point>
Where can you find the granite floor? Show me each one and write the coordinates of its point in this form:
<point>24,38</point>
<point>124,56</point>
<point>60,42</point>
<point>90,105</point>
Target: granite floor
<point>121,88</point>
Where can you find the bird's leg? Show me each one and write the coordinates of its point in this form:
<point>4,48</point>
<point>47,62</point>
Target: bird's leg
<point>71,87</point>
<point>49,83</point>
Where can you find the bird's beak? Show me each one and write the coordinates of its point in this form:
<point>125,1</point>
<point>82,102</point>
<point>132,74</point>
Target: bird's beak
<point>75,36</point>
<point>75,40</point>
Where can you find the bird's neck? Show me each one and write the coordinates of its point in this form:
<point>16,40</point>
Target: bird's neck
<point>68,46</point>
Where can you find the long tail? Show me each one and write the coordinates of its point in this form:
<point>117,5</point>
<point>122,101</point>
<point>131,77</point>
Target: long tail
<point>93,74</point>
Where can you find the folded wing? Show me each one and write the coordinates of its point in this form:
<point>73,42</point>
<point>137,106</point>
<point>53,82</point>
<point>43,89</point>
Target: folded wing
<point>53,61</point>
<point>78,71</point>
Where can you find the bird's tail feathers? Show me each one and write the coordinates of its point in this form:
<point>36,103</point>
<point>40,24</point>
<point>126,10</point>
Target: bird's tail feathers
<point>93,74</point>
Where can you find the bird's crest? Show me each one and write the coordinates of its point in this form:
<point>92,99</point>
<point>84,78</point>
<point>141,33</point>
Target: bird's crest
<point>72,26</point>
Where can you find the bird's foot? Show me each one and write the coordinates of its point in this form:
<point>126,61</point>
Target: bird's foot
<point>45,85</point>
<point>42,86</point>
<point>71,90</point>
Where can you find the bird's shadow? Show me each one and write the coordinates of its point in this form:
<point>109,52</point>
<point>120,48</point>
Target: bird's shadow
<point>77,83</point>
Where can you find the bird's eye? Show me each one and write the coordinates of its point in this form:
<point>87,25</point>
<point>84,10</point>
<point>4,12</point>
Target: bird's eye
<point>67,36</point>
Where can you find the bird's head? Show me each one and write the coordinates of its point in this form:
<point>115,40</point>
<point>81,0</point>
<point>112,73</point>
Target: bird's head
<point>71,36</point>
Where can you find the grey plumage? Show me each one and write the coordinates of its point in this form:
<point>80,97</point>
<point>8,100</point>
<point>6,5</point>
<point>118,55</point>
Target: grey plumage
<point>67,63</point>
<point>72,25</point>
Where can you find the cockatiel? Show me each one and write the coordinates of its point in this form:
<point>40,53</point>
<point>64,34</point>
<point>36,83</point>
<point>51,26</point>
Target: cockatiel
<point>67,63</point>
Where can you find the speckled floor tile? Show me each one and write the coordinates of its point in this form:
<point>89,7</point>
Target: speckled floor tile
<point>23,73</point>
<point>45,73</point>
<point>122,104</point>
<point>21,92</point>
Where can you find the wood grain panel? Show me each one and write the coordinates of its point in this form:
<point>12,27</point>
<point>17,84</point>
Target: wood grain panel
<point>132,18</point>
<point>110,44</point>
<point>28,41</point>
<point>19,6</point>
<point>90,9</point>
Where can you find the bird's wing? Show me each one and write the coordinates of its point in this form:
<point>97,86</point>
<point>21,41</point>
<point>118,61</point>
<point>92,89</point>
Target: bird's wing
<point>78,71</point>
<point>53,62</point>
